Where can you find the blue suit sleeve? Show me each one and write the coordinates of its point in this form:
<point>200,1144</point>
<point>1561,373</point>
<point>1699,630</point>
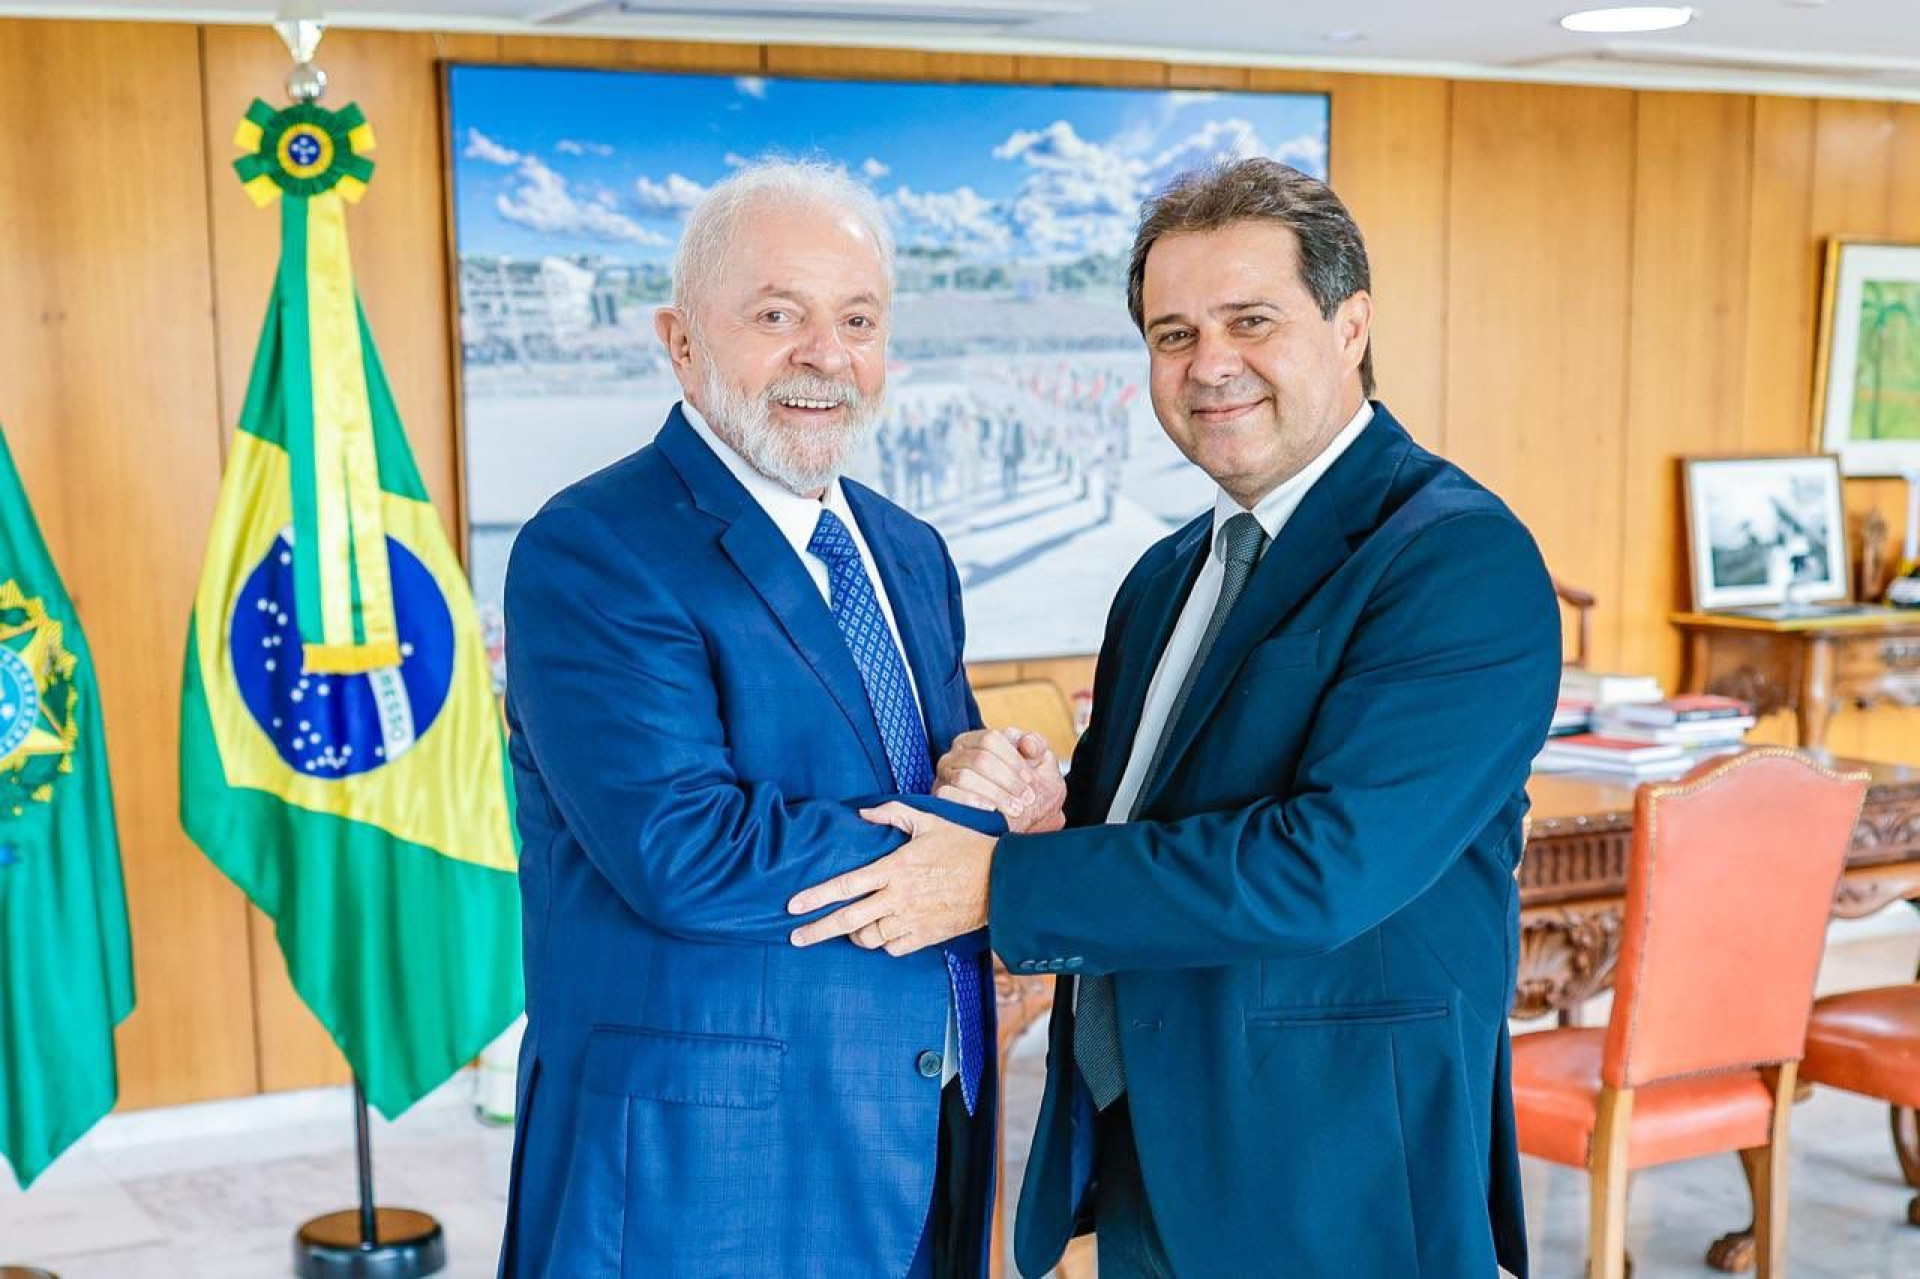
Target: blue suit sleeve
<point>610,688</point>
<point>1428,727</point>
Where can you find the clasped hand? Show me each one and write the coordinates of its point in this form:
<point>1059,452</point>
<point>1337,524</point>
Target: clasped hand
<point>935,886</point>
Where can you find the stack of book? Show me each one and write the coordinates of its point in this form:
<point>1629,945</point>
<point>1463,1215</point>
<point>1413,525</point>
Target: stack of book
<point>1601,689</point>
<point>1613,756</point>
<point>1695,720</point>
<point>1571,715</point>
<point>1651,739</point>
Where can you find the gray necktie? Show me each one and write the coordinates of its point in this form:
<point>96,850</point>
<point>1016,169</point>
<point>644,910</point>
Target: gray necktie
<point>1096,1023</point>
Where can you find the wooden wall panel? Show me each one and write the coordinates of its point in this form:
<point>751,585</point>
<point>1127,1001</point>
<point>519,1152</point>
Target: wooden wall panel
<point>1389,160</point>
<point>1539,263</point>
<point>1686,348</point>
<point>1113,71</point>
<point>106,342</point>
<point>1782,278</point>
<point>573,51</point>
<point>886,64</point>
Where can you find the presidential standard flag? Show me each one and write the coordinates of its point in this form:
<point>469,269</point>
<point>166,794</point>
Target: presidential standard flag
<point>66,970</point>
<point>341,752</point>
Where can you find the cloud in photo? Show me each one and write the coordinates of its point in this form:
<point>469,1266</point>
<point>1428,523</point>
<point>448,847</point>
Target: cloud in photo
<point>1307,153</point>
<point>752,86</point>
<point>960,219</point>
<point>873,170</point>
<point>542,201</point>
<point>672,196</point>
<point>1217,140</point>
<point>574,146</point>
<point>1078,196</point>
<point>485,149</point>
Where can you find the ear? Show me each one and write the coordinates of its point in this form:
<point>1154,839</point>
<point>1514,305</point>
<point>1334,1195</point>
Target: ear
<point>1352,324</point>
<point>676,336</point>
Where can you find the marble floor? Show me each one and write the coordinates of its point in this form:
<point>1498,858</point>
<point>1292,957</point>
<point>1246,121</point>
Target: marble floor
<point>215,1191</point>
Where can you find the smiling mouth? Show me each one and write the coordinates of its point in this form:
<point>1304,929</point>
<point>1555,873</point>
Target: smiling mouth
<point>810,406</point>
<point>1216,414</point>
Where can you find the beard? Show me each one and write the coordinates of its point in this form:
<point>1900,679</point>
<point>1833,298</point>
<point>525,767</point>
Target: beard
<point>803,460</point>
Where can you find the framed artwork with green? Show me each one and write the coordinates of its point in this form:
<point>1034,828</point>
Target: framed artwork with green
<point>1867,393</point>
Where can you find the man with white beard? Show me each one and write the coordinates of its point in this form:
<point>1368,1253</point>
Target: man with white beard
<point>718,654</point>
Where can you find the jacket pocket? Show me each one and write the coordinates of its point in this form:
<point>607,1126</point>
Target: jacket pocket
<point>727,1071</point>
<point>1283,652</point>
<point>1382,1013</point>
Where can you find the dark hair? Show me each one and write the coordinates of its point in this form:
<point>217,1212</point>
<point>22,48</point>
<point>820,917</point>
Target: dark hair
<point>1333,257</point>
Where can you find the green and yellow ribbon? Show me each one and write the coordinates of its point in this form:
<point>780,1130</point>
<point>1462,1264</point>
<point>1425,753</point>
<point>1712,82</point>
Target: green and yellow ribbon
<point>310,383</point>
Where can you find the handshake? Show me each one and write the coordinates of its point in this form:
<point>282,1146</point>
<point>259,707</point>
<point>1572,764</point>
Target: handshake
<point>935,886</point>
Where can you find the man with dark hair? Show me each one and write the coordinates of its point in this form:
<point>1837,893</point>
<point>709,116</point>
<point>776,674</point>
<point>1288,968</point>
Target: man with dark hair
<point>1285,888</point>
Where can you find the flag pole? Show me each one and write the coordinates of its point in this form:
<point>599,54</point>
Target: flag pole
<point>367,1242</point>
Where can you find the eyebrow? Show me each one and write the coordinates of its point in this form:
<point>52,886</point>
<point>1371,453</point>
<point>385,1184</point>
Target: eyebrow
<point>770,291</point>
<point>1225,308</point>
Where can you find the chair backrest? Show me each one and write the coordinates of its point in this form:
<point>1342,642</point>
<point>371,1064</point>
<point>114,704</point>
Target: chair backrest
<point>1729,891</point>
<point>1036,705</point>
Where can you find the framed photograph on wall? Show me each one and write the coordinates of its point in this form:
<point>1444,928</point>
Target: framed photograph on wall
<point>1867,392</point>
<point>1016,421</point>
<point>1765,530</point>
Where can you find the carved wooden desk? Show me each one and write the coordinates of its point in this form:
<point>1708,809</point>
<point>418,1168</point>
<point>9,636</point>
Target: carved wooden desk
<point>1573,882</point>
<point>1810,666</point>
<point>1574,876</point>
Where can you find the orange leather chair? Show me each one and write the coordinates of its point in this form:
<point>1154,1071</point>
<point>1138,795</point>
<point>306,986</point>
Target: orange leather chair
<point>1712,992</point>
<point>1868,1042</point>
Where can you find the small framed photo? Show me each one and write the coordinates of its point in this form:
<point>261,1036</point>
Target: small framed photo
<point>1867,392</point>
<point>1765,530</point>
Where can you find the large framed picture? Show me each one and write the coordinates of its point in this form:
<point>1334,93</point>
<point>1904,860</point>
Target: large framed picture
<point>1016,420</point>
<point>1765,530</point>
<point>1867,396</point>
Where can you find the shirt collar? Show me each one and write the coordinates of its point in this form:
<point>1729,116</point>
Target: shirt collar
<point>1274,510</point>
<point>794,515</point>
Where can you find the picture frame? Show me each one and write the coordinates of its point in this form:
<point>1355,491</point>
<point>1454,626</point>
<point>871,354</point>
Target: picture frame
<point>1766,530</point>
<point>1866,405</point>
<point>1016,420</point>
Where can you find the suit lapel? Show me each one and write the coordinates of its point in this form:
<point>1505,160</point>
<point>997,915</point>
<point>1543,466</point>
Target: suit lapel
<point>1335,515</point>
<point>1143,638</point>
<point>919,610</point>
<point>770,566</point>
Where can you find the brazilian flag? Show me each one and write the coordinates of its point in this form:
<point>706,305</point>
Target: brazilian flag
<point>66,969</point>
<point>341,753</point>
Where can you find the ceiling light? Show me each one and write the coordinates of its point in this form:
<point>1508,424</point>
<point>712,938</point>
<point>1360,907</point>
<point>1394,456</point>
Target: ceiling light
<point>1646,17</point>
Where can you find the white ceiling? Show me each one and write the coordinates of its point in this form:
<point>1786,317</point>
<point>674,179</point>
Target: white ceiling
<point>1857,47</point>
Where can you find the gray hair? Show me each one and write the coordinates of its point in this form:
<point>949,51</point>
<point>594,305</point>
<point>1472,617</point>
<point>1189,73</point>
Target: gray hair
<point>1333,256</point>
<point>715,222</point>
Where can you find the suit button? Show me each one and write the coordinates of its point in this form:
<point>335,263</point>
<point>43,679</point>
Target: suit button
<point>929,1064</point>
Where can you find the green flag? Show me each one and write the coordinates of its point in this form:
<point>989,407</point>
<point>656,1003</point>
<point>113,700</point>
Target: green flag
<point>66,969</point>
<point>341,751</point>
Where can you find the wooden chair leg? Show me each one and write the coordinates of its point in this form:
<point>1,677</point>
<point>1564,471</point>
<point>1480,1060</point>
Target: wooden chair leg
<point>1767,1173</point>
<point>1607,1171</point>
<point>1906,1148</point>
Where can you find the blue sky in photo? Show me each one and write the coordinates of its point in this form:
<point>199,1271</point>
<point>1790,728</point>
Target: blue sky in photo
<point>567,161</point>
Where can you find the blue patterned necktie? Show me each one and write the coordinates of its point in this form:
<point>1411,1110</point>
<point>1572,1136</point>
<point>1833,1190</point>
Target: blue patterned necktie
<point>884,675</point>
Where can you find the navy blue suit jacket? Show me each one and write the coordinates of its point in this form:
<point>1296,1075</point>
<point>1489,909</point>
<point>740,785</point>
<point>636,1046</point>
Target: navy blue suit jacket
<point>690,745</point>
<point>1313,928</point>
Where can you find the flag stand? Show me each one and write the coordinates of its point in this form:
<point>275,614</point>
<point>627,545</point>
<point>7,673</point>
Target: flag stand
<point>368,1242</point>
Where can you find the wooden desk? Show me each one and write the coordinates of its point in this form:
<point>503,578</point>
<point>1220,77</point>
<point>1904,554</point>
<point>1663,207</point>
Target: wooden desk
<point>1810,666</point>
<point>1573,885</point>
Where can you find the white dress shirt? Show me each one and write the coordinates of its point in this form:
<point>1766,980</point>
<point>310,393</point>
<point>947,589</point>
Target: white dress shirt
<point>796,517</point>
<point>1272,511</point>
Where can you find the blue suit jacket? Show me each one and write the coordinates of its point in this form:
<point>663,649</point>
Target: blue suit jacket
<point>1313,929</point>
<point>690,744</point>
